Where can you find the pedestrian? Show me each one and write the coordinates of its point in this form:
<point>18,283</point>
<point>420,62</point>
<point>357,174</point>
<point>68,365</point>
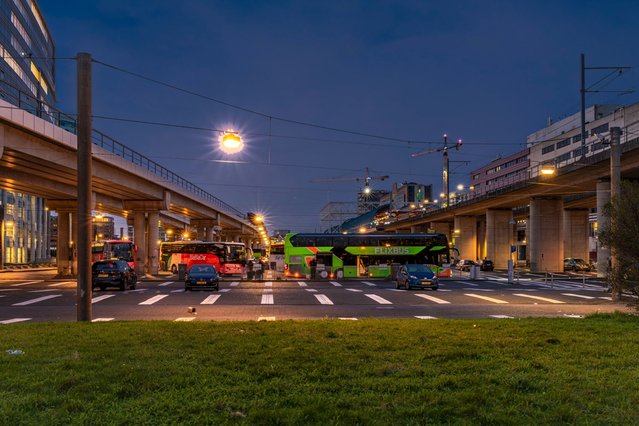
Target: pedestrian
<point>249,270</point>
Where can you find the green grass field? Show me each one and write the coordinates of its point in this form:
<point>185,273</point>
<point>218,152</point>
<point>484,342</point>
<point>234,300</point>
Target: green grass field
<point>527,371</point>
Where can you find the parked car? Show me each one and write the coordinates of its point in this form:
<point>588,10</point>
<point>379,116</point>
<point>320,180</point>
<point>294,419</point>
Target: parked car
<point>113,273</point>
<point>202,276</point>
<point>416,275</point>
<point>465,264</point>
<point>576,265</point>
<point>486,265</point>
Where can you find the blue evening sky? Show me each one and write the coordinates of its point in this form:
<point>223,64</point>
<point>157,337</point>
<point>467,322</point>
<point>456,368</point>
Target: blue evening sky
<point>406,71</point>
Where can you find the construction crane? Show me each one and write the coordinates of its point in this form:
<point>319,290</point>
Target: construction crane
<point>366,179</point>
<point>443,148</point>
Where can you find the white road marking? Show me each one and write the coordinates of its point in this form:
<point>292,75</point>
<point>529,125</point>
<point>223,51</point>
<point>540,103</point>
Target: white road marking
<point>501,316</point>
<point>424,317</point>
<point>11,321</point>
<point>348,319</point>
<point>467,283</point>
<point>323,299</point>
<point>62,283</point>
<point>432,298</point>
<point>102,319</point>
<point>354,289</point>
<point>268,284</point>
<point>267,299</point>
<point>165,284</point>
<point>489,299</point>
<point>265,319</point>
<point>235,283</point>
<point>543,299</point>
<point>101,298</point>
<point>606,298</point>
<point>573,316</point>
<point>268,290</point>
<point>335,283</point>
<point>578,295</point>
<point>153,299</point>
<point>478,289</point>
<point>210,299</point>
<point>179,290</point>
<point>369,283</point>
<point>379,299</point>
<point>27,283</point>
<point>302,283</point>
<point>225,290</point>
<point>184,319</point>
<point>39,299</point>
<point>311,290</point>
<point>43,291</point>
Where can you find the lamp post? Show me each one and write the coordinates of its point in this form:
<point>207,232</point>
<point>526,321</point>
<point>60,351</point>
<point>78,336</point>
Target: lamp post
<point>512,224</point>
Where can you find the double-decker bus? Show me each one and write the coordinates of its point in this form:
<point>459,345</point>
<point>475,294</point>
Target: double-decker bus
<point>227,257</point>
<point>114,249</point>
<point>361,255</point>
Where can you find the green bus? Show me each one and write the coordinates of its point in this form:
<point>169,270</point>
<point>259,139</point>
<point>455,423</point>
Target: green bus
<point>360,255</point>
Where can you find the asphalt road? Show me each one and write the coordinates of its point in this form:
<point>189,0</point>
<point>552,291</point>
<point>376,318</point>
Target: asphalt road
<point>38,296</point>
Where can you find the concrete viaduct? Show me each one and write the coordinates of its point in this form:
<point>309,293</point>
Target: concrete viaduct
<point>40,158</point>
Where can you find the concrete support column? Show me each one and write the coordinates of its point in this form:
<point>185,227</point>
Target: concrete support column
<point>576,233</point>
<point>603,253</point>
<point>154,236</point>
<point>546,239</point>
<point>465,235</point>
<point>139,228</point>
<point>210,233</point>
<point>499,236</point>
<point>64,237</point>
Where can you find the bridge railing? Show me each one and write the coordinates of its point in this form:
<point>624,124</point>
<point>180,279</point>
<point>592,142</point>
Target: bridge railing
<point>29,103</point>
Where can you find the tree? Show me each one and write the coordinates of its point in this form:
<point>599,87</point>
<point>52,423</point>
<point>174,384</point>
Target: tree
<point>621,235</point>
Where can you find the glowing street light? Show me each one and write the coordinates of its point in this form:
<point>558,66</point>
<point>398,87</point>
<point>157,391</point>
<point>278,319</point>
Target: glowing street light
<point>548,169</point>
<point>231,142</point>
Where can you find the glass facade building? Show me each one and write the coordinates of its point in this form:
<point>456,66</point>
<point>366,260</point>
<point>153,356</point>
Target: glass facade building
<point>27,80</point>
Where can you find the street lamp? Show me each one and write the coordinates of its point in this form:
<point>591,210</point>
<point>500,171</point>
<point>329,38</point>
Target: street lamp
<point>231,142</point>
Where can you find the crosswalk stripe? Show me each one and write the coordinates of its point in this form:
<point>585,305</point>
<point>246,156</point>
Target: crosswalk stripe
<point>424,317</point>
<point>433,299</point>
<point>302,283</point>
<point>154,299</point>
<point>39,299</point>
<point>101,298</point>
<point>578,295</point>
<point>60,284</point>
<point>355,290</point>
<point>379,299</point>
<point>184,319</point>
<point>166,283</point>
<point>311,290</point>
<point>335,283</point>
<point>348,319</point>
<point>235,283</point>
<point>102,319</point>
<point>210,299</point>
<point>490,299</point>
<point>27,283</point>
<point>268,284</point>
<point>543,299</point>
<point>323,299</point>
<point>267,299</point>
<point>501,316</point>
<point>369,283</point>
<point>12,320</point>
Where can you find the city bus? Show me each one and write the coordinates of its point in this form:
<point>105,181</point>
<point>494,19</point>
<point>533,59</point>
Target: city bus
<point>276,257</point>
<point>114,249</point>
<point>227,257</point>
<point>361,255</point>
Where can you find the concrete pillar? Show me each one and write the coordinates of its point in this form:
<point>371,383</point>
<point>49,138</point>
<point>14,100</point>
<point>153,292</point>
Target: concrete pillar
<point>139,228</point>
<point>603,253</point>
<point>499,236</point>
<point>154,236</point>
<point>576,233</point>
<point>546,240</point>
<point>481,239</point>
<point>210,233</point>
<point>64,236</point>
<point>465,235</point>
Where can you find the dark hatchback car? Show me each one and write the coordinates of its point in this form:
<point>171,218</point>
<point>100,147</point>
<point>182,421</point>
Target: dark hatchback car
<point>202,276</point>
<point>416,275</point>
<point>113,273</point>
<point>486,265</point>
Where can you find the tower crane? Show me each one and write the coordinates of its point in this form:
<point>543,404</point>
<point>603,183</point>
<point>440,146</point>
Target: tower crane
<point>366,179</point>
<point>444,148</point>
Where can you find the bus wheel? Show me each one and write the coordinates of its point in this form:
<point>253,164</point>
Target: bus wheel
<point>173,269</point>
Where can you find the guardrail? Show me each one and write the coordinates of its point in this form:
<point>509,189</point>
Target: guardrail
<point>29,103</point>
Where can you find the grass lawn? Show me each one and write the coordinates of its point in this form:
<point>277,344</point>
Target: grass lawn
<point>519,371</point>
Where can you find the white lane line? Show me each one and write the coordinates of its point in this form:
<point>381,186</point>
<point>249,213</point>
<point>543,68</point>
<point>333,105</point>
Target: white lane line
<point>302,283</point>
<point>268,284</point>
<point>267,299</point>
<point>606,298</point>
<point>311,290</point>
<point>43,291</point>
<point>578,295</point>
<point>265,319</point>
<point>379,299</point>
<point>153,299</point>
<point>101,298</point>
<point>323,299</point>
<point>179,290</point>
<point>573,316</point>
<point>335,283</point>
<point>225,290</point>
<point>62,283</point>
<point>268,290</point>
<point>501,316</point>
<point>102,319</point>
<point>370,284</point>
<point>210,299</point>
<point>478,289</point>
<point>432,299</point>
<point>543,299</point>
<point>235,283</point>
<point>184,319</point>
<point>490,299</point>
<point>348,319</point>
<point>12,320</point>
<point>39,299</point>
<point>27,283</point>
<point>467,283</point>
<point>165,284</point>
<point>424,317</point>
<point>354,290</point>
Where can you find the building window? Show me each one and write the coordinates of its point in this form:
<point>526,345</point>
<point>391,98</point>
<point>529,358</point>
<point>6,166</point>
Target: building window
<point>563,143</point>
<point>547,149</point>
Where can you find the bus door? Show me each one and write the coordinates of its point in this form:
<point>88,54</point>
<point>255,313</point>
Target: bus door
<point>362,266</point>
<point>324,264</point>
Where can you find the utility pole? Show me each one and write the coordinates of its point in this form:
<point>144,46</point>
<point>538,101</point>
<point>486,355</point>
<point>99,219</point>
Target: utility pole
<point>615,189</point>
<point>84,289</point>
